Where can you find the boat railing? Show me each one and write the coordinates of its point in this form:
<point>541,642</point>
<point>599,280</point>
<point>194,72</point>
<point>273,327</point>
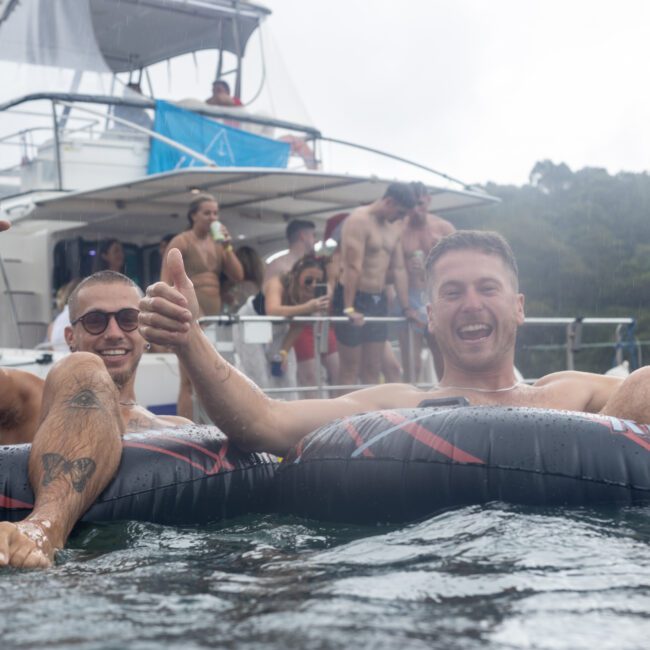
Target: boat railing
<point>217,327</point>
<point>69,114</point>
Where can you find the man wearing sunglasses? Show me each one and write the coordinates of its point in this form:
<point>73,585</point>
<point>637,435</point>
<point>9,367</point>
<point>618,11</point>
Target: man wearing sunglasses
<point>88,403</point>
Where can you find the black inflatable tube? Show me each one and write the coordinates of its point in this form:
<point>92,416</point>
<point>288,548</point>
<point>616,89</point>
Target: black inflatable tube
<point>389,466</point>
<point>403,465</point>
<point>176,476</point>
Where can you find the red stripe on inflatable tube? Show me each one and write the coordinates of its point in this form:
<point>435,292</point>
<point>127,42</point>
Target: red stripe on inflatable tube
<point>14,504</point>
<point>431,439</point>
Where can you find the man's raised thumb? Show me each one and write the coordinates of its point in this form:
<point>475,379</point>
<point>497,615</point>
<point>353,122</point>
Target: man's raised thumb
<point>177,269</point>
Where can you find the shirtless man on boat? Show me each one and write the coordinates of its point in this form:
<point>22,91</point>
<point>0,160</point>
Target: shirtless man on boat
<point>422,231</point>
<point>474,312</point>
<point>370,252</point>
<point>88,402</point>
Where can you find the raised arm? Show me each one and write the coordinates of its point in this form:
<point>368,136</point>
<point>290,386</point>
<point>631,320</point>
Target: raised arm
<point>231,265</point>
<point>234,403</point>
<point>274,307</point>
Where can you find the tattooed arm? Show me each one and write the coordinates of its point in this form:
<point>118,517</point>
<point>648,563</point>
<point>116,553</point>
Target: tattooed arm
<point>75,453</point>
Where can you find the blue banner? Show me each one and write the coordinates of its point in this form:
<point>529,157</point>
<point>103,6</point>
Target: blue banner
<point>227,146</point>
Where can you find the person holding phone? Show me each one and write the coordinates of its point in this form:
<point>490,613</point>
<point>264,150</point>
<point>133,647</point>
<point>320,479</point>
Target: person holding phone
<point>305,348</point>
<point>273,365</point>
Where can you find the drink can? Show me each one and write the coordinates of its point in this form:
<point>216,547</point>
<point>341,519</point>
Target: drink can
<point>218,234</point>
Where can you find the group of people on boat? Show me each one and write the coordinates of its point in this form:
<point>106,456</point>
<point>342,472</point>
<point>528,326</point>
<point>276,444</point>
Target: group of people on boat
<point>75,419</point>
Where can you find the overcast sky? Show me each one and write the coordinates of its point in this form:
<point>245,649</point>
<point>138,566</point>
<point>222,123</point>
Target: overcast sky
<point>480,89</point>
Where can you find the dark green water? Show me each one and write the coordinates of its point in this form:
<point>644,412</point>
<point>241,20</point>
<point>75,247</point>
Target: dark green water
<point>494,577</point>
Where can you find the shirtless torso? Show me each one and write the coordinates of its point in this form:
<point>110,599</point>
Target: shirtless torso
<point>368,243</point>
<point>567,390</point>
<point>421,232</point>
<point>419,236</point>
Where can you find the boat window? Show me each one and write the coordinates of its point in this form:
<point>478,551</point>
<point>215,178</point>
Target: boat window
<point>76,257</point>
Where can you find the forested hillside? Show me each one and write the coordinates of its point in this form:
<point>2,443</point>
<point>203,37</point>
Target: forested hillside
<point>582,240</point>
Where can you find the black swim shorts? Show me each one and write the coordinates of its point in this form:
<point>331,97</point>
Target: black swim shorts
<point>369,304</point>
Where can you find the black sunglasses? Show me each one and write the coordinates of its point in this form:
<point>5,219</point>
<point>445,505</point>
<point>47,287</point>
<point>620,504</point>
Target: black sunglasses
<point>95,322</point>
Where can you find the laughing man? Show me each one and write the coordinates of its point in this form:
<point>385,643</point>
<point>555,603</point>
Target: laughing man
<point>474,310</point>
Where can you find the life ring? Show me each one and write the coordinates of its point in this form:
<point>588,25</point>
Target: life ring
<point>188,475</point>
<point>403,465</point>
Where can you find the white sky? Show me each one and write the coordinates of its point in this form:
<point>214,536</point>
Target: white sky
<point>480,89</point>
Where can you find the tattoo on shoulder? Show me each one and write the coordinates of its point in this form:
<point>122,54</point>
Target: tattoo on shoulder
<point>85,399</point>
<point>77,471</point>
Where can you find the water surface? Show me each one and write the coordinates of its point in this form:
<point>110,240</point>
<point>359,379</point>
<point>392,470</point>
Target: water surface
<point>480,577</point>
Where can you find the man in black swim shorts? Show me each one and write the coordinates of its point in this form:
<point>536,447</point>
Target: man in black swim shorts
<point>370,251</point>
<point>368,304</point>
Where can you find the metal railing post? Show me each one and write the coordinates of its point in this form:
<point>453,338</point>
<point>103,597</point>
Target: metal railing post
<point>410,352</point>
<point>318,348</point>
<point>57,149</point>
<point>573,341</point>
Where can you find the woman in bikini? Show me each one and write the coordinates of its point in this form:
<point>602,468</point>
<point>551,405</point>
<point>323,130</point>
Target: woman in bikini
<point>205,258</point>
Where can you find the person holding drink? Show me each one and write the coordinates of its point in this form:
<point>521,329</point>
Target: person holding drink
<point>206,247</point>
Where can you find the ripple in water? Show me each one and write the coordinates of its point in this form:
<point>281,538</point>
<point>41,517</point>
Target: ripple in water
<point>493,577</point>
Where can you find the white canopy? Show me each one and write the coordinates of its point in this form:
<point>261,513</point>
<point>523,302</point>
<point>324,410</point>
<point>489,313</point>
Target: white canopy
<point>121,35</point>
<point>254,202</point>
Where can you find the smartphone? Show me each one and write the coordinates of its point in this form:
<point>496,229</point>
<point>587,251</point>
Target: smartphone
<point>320,289</point>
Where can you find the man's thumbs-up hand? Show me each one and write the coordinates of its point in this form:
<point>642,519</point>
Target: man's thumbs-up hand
<point>167,311</point>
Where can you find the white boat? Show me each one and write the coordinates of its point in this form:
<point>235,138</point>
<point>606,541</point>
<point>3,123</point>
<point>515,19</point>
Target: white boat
<point>75,159</point>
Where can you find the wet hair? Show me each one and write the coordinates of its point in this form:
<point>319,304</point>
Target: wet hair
<point>401,193</point>
<point>221,82</point>
<point>104,246</point>
<point>290,280</point>
<point>252,264</point>
<point>196,204</point>
<point>295,227</point>
<point>101,277</point>
<point>490,243</point>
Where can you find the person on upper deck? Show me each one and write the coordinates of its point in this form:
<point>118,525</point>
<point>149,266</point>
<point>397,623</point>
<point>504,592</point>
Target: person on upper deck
<point>370,252</point>
<point>474,310</point>
<point>221,95</point>
<point>133,114</point>
<point>205,258</point>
